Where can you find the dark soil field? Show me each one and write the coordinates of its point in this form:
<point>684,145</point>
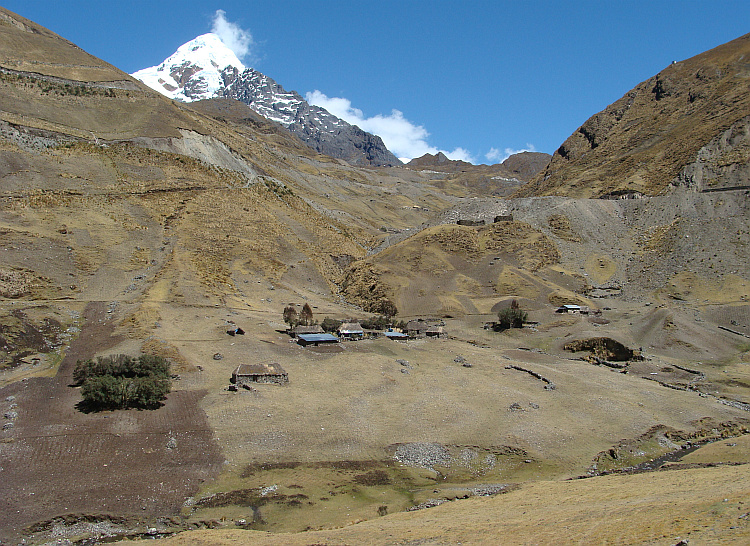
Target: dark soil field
<point>56,460</point>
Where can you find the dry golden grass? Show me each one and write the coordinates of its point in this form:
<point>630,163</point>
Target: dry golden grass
<point>600,268</point>
<point>187,248</point>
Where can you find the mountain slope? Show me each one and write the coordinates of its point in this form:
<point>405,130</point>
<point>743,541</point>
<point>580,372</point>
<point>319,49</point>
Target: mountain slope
<point>205,68</point>
<point>133,224</point>
<point>643,141</point>
<point>462,178</point>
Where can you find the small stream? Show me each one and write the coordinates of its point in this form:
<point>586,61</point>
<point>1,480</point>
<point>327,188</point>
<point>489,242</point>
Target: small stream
<point>671,457</point>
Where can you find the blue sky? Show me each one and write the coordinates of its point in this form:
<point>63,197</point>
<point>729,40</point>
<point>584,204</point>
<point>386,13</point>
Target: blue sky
<point>470,78</point>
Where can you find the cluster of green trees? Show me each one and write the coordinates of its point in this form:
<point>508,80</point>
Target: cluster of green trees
<point>330,325</point>
<point>122,381</point>
<point>511,317</point>
<point>381,322</point>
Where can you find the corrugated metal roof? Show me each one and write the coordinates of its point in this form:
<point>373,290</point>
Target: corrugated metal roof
<point>313,338</point>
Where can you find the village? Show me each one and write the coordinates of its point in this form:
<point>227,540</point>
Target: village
<point>327,335</point>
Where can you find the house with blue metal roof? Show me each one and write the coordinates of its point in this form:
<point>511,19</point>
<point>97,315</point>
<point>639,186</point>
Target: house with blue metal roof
<point>316,339</point>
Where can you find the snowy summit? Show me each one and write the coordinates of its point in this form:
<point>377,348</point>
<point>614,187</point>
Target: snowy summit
<point>206,68</point>
<point>198,70</point>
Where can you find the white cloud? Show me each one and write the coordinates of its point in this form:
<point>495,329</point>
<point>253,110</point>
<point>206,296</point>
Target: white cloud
<point>402,137</point>
<point>497,156</point>
<point>239,40</point>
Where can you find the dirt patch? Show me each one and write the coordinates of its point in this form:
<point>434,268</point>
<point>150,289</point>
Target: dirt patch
<point>57,460</point>
<point>375,477</point>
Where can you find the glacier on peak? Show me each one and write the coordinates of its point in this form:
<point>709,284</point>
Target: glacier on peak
<point>206,68</point>
<point>195,71</point>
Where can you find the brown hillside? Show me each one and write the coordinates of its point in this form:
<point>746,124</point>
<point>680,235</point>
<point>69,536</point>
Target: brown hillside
<point>641,142</point>
<point>451,270</point>
<point>464,179</point>
<point>131,224</point>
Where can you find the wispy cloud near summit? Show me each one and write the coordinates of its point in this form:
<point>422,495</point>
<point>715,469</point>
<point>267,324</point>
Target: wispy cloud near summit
<point>497,156</point>
<point>239,40</point>
<point>402,137</point>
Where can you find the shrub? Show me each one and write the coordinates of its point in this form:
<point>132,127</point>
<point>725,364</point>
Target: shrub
<point>376,323</point>
<point>330,325</point>
<point>121,381</point>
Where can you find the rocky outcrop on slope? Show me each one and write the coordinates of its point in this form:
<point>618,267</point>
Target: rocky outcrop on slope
<point>722,164</point>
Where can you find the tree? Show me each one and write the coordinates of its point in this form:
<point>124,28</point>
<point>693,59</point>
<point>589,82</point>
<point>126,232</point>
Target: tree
<point>306,315</point>
<point>330,325</point>
<point>511,317</point>
<point>290,316</point>
<point>121,381</point>
<point>376,323</point>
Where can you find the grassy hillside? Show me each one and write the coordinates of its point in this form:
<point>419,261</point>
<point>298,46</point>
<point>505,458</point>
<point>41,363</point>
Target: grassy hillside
<point>641,142</point>
<point>132,224</point>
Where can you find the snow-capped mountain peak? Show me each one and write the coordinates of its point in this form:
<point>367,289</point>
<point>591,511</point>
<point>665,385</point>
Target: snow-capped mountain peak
<point>198,70</point>
<point>205,68</point>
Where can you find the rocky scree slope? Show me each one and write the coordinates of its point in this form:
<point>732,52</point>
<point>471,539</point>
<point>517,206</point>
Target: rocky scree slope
<point>205,68</point>
<point>643,141</point>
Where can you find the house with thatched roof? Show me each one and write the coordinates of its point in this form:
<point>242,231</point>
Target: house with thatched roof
<point>351,330</point>
<point>416,328</point>
<point>314,329</point>
<point>246,374</point>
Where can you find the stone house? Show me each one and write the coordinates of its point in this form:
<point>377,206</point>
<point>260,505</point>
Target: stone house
<point>435,331</point>
<point>246,374</point>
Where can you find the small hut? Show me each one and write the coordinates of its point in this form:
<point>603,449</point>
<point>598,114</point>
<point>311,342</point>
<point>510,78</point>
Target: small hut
<point>314,329</point>
<point>416,328</point>
<point>351,330</point>
<point>246,374</point>
<point>435,331</point>
<point>568,309</point>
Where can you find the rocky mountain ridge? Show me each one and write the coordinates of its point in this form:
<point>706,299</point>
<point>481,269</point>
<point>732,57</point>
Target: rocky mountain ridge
<point>205,68</point>
<point>500,179</point>
<point>642,142</point>
<point>523,165</point>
